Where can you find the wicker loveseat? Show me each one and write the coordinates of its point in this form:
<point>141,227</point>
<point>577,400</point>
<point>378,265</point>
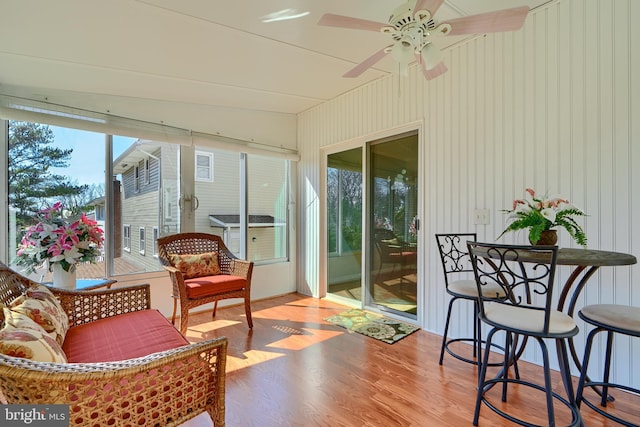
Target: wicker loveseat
<point>167,386</point>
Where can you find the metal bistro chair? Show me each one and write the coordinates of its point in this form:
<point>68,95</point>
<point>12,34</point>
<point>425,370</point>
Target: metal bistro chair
<point>457,264</point>
<point>612,319</point>
<point>526,275</point>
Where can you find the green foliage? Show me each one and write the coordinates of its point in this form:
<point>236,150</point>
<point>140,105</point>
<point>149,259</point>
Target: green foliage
<point>540,214</point>
<point>32,183</point>
<point>564,219</point>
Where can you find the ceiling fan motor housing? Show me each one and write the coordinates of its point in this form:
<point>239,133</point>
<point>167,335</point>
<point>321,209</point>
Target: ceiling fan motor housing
<point>410,28</point>
<point>403,14</point>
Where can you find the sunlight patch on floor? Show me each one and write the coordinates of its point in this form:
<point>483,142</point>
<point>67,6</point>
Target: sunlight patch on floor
<point>200,330</point>
<point>250,358</point>
<point>302,341</point>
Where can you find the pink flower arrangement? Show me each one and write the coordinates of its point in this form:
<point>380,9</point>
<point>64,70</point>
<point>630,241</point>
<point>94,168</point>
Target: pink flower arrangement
<point>539,213</point>
<point>57,239</point>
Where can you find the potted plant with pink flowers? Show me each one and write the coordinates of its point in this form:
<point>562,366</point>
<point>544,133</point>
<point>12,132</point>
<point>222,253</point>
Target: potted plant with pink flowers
<point>59,241</point>
<point>540,214</point>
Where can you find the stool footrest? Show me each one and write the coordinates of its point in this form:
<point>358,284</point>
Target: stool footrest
<point>488,384</point>
<point>473,343</point>
<point>598,407</point>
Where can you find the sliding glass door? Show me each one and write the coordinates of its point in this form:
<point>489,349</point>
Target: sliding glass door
<point>344,224</point>
<point>379,231</point>
<point>393,220</point>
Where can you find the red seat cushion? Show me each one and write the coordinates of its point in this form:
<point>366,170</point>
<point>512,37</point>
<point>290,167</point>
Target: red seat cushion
<point>121,337</point>
<point>208,285</point>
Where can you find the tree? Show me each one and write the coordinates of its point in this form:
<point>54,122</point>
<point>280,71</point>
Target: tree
<point>80,202</point>
<point>32,184</point>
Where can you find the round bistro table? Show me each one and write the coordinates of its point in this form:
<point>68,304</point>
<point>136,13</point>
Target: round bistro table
<point>586,262</point>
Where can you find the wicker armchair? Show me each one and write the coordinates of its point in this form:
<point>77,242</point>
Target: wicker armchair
<point>164,388</point>
<point>194,292</point>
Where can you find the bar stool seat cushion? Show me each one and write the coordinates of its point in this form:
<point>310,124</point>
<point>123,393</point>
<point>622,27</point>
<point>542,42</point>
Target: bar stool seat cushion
<point>529,320</point>
<point>468,288</point>
<point>625,318</point>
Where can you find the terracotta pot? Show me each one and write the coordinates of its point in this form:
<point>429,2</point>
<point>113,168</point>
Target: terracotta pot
<point>547,238</point>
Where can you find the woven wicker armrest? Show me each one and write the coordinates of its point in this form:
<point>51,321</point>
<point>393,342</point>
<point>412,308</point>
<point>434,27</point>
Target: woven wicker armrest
<point>87,306</point>
<point>166,388</point>
<point>171,269</point>
<point>240,268</point>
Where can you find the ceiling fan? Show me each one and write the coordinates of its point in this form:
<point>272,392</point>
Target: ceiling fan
<point>412,27</point>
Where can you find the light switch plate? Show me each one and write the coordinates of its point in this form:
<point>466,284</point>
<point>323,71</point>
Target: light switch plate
<point>481,216</point>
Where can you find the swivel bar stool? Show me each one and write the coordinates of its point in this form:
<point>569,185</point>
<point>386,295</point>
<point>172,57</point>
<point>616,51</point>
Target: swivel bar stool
<point>612,319</point>
<point>526,275</point>
<point>460,285</point>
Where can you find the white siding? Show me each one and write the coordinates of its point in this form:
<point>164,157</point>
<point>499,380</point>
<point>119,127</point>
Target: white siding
<point>555,106</point>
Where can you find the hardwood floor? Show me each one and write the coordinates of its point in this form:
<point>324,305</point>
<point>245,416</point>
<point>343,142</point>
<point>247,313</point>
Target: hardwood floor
<point>295,369</point>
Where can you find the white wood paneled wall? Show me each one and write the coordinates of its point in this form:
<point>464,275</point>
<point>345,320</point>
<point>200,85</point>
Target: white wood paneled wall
<point>554,106</point>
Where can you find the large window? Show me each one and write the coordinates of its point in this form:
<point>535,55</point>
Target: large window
<point>146,174</point>
<point>267,207</point>
<point>49,165</point>
<point>246,203</point>
<point>256,230</point>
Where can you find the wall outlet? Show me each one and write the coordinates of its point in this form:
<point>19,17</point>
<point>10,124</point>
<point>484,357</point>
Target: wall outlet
<point>481,216</point>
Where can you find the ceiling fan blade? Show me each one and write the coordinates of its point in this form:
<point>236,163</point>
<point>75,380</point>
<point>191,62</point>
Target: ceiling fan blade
<point>431,5</point>
<point>367,63</point>
<point>332,20</point>
<point>435,71</point>
<point>490,22</point>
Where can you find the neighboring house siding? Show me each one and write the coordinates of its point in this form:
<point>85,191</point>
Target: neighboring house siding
<point>168,175</point>
<point>145,187</point>
<point>141,211</point>
<point>223,194</point>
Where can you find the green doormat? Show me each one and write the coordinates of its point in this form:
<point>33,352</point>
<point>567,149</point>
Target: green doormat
<point>373,325</point>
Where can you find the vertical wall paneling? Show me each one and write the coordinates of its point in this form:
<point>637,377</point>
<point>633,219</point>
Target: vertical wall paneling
<point>554,106</point>
<point>634,159</point>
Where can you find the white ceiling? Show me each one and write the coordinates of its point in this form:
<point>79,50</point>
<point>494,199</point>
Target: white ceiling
<point>135,57</point>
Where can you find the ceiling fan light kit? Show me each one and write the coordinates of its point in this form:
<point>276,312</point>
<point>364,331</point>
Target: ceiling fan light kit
<point>412,27</point>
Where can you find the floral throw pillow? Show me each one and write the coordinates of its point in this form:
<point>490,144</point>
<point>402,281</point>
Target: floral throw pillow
<point>22,337</point>
<point>196,265</point>
<point>43,308</point>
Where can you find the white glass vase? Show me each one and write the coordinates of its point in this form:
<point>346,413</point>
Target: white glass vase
<point>64,279</point>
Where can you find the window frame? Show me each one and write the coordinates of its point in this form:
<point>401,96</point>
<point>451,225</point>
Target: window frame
<point>146,172</point>
<point>136,179</point>
<point>126,237</point>
<point>125,184</point>
<point>208,155</point>
<point>142,240</point>
<point>156,235</point>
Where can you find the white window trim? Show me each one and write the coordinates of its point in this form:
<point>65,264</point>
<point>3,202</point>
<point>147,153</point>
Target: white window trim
<point>142,241</point>
<point>156,234</point>
<point>147,173</point>
<point>136,179</point>
<point>195,160</point>
<point>125,247</point>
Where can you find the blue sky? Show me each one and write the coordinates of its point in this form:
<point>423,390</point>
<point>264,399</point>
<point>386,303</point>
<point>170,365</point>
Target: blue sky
<point>87,161</point>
